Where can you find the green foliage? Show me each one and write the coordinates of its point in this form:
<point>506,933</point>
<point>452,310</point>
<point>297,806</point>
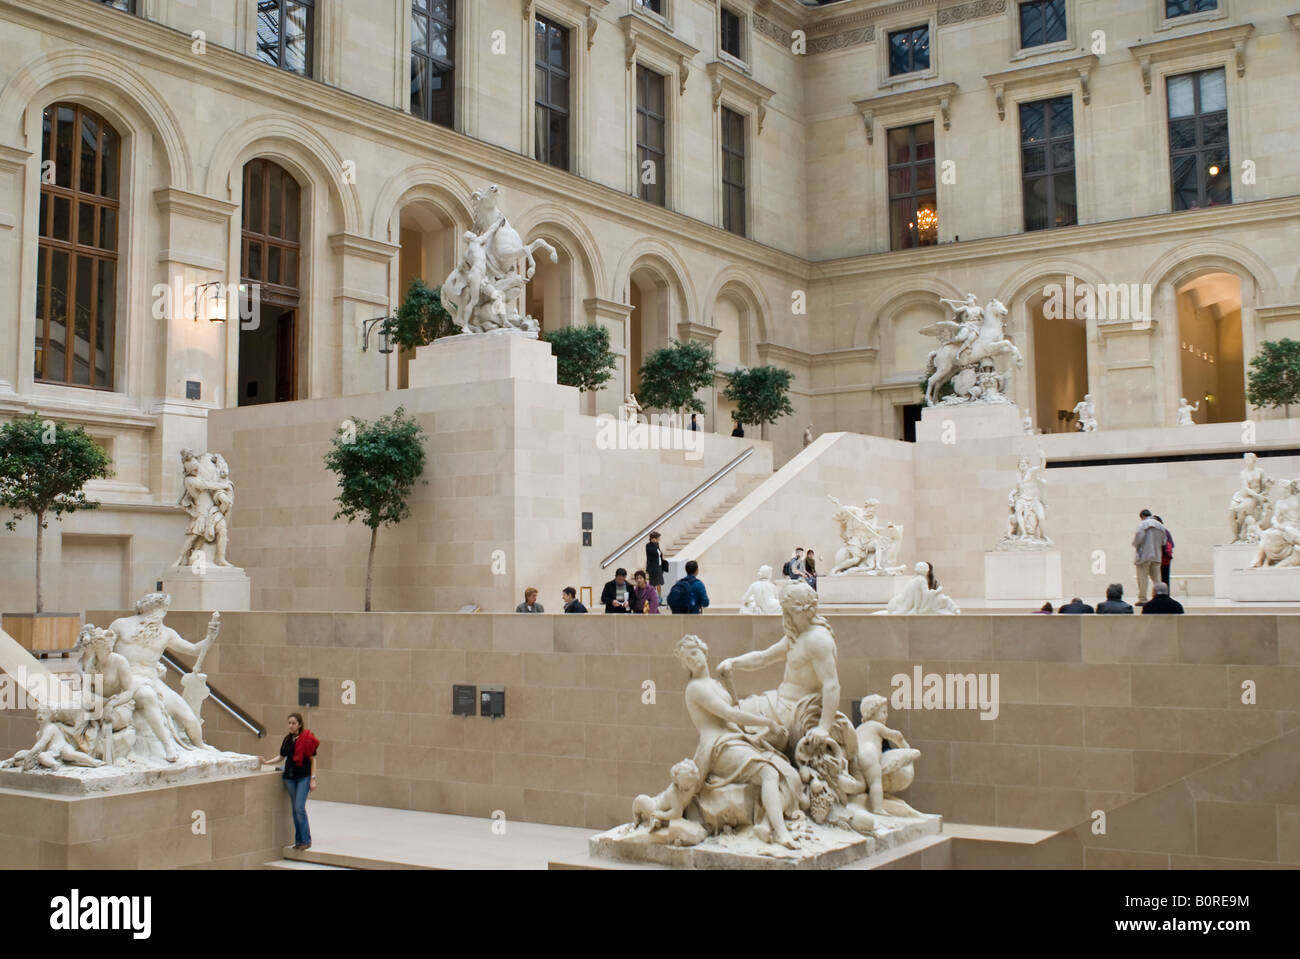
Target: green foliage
<point>377,465</point>
<point>760,394</point>
<point>421,318</point>
<point>671,376</point>
<point>1274,377</point>
<point>43,467</point>
<point>582,356</point>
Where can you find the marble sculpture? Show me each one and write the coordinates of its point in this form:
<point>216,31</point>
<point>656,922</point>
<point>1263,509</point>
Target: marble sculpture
<point>761,598</point>
<point>1279,543</point>
<point>1250,510</point>
<point>1026,505</point>
<point>1185,411</point>
<point>970,342</point>
<point>1087,414</point>
<point>869,546</point>
<point>772,768</point>
<point>207,496</point>
<point>918,597</point>
<point>484,292</point>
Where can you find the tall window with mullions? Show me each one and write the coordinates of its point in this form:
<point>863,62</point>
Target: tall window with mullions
<point>733,171</point>
<point>433,60</point>
<point>76,252</point>
<point>552,93</point>
<point>1200,164</point>
<point>1047,163</point>
<point>650,135</point>
<point>285,29</point>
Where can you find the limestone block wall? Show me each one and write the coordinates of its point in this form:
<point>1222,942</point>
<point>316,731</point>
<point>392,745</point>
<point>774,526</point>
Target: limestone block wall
<point>1094,712</point>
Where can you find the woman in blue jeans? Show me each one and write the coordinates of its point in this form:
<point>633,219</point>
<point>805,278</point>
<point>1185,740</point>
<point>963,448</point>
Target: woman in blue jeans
<point>299,753</point>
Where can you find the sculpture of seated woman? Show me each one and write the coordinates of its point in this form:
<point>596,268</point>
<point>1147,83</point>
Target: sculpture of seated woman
<point>922,595</point>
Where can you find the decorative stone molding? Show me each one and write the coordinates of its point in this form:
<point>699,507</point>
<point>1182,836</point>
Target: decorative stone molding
<point>172,201</point>
<point>1207,41</point>
<point>581,9</point>
<point>848,355</point>
<point>641,33</point>
<point>1072,68</point>
<point>724,79</point>
<point>351,244</point>
<point>859,28</point>
<point>881,108</point>
<point>772,30</point>
<point>845,38</point>
<point>974,10</point>
<point>777,351</point>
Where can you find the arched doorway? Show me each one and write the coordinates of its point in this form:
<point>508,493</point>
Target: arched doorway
<point>1211,365</point>
<point>271,267</point>
<point>650,322</point>
<point>550,291</point>
<point>428,252</point>
<point>1060,346</point>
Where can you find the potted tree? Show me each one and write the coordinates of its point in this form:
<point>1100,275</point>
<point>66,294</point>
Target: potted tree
<point>760,395</point>
<point>377,465</point>
<point>44,466</point>
<point>1274,378</point>
<point>671,376</point>
<point>582,356</point>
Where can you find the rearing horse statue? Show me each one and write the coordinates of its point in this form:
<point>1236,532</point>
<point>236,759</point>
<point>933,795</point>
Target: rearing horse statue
<point>966,345</point>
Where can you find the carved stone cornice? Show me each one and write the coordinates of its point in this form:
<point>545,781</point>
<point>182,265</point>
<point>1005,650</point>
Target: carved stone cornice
<point>834,32</point>
<point>938,95</point>
<point>171,201</point>
<point>1206,41</point>
<point>847,355</point>
<point>640,32</point>
<point>350,244</point>
<point>1073,67</point>
<point>778,351</point>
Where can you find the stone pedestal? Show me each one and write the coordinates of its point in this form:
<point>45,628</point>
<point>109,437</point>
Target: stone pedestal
<point>1023,575</point>
<point>963,423</point>
<point>481,357</point>
<point>208,589</point>
<point>1227,558</point>
<point>850,589</point>
<point>1264,585</point>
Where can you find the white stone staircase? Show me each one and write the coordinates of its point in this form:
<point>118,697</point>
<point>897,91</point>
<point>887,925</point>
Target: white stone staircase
<point>689,535</point>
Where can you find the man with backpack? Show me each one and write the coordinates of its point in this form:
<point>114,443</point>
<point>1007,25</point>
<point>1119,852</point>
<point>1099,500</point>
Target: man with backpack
<point>688,594</point>
<point>794,565</point>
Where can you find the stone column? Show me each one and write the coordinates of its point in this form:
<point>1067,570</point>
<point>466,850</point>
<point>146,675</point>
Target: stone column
<point>361,293</point>
<point>615,317</point>
<point>14,164</point>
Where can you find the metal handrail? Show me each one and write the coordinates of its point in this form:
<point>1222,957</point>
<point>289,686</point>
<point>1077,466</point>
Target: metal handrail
<point>676,508</point>
<point>251,724</point>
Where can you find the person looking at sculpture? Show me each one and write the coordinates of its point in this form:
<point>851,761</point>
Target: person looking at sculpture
<point>1148,546</point>
<point>645,598</point>
<point>617,594</point>
<point>655,563</point>
<point>298,750</point>
<point>530,603</point>
<point>1162,602</point>
<point>810,569</point>
<point>688,594</point>
<point>571,604</point>
<point>1166,554</point>
<point>794,565</point>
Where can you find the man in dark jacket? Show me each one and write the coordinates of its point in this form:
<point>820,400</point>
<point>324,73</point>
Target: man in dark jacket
<point>699,595</point>
<point>617,594</point>
<point>1075,605</point>
<point>1114,602</point>
<point>571,604</point>
<point>1163,602</point>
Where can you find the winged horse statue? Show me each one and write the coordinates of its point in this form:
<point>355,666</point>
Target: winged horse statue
<point>974,336</point>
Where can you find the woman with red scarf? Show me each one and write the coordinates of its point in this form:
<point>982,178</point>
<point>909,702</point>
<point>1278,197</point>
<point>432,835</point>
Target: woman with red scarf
<point>299,753</point>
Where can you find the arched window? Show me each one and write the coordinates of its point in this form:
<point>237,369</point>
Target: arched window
<point>76,261</point>
<point>270,265</point>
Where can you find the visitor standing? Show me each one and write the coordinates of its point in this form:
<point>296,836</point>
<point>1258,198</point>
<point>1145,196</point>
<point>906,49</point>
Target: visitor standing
<point>688,594</point>
<point>298,750</point>
<point>1114,602</point>
<point>655,563</point>
<point>1148,546</point>
<point>571,603</point>
<point>1167,554</point>
<point>617,594</point>
<point>793,564</point>
<point>810,569</point>
<point>530,603</point>
<point>695,423</point>
<point>645,598</point>
<point>738,430</point>
<point>1162,602</point>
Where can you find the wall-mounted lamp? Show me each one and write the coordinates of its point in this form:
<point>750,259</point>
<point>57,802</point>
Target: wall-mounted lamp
<point>385,333</point>
<point>217,309</point>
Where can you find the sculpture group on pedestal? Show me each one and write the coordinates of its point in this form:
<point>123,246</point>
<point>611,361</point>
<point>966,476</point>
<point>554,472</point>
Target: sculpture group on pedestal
<point>1249,512</point>
<point>483,292</point>
<point>869,546</point>
<point>770,765</point>
<point>922,595</point>
<point>762,597</point>
<point>207,496</point>
<point>1027,505</point>
<point>1279,543</point>
<point>124,713</point>
<point>969,344</point>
